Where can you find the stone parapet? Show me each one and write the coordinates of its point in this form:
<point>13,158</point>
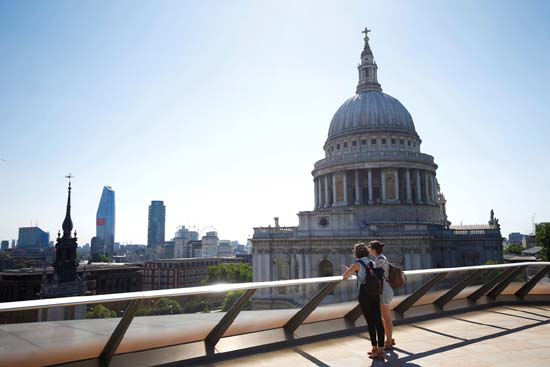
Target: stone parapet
<point>384,157</point>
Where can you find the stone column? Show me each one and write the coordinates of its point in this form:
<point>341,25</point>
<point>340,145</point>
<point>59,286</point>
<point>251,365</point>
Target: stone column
<point>357,192</point>
<point>291,272</point>
<point>418,188</point>
<point>255,272</point>
<point>408,183</point>
<point>319,192</point>
<point>383,179</point>
<point>316,193</point>
<point>327,199</point>
<point>346,188</point>
<point>434,192</point>
<point>307,255</point>
<point>396,184</point>
<point>427,187</point>
<point>333,189</point>
<point>267,266</point>
<point>370,186</point>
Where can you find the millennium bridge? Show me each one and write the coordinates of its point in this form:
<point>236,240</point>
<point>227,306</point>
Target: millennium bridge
<point>491,315</point>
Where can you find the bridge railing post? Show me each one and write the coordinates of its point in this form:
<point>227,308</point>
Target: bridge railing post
<point>300,316</point>
<point>451,293</point>
<point>501,286</point>
<point>526,288</point>
<point>481,291</point>
<point>118,334</point>
<point>217,332</point>
<point>410,300</point>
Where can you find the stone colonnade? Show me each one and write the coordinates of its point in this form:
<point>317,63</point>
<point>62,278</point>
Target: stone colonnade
<point>375,186</point>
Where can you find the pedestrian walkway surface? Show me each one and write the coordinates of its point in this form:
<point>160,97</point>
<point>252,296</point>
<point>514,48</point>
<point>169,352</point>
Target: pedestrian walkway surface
<point>500,336</point>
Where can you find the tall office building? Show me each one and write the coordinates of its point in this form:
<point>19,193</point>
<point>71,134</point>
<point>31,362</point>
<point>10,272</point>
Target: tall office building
<point>97,248</point>
<point>5,245</point>
<point>210,244</point>
<point>105,220</point>
<point>32,237</point>
<point>155,231</point>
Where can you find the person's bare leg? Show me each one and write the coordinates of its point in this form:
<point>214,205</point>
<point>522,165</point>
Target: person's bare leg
<point>388,323</point>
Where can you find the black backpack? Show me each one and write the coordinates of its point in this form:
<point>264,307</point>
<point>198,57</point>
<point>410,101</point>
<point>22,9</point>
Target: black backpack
<point>372,284</point>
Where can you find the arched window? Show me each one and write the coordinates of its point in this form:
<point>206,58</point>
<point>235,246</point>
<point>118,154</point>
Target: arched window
<point>339,189</point>
<point>282,270</point>
<point>390,186</point>
<point>282,274</point>
<point>325,268</point>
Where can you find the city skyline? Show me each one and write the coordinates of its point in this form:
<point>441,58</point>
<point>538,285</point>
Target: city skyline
<point>209,114</point>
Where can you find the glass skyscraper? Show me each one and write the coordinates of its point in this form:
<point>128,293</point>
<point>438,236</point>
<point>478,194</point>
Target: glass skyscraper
<point>105,220</point>
<point>157,215</point>
<point>33,237</point>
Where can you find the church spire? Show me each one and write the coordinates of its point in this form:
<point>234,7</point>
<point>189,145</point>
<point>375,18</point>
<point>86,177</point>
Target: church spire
<point>66,262</point>
<point>368,70</point>
<point>68,223</point>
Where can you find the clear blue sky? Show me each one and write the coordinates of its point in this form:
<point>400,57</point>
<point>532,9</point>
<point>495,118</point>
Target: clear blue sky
<point>221,108</point>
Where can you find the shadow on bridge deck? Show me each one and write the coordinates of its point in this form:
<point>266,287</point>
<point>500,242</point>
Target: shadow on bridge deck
<point>499,336</point>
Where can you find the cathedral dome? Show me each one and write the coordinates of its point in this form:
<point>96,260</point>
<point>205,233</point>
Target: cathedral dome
<point>370,110</point>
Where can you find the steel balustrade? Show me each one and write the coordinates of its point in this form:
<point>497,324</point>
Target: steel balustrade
<point>491,289</point>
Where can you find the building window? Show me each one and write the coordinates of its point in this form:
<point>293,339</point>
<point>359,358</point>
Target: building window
<point>364,142</point>
<point>326,268</point>
<point>393,141</point>
<point>373,141</point>
<point>401,142</point>
<point>414,143</point>
<point>408,142</point>
<point>354,143</point>
<point>338,146</point>
<point>332,148</point>
<point>383,141</point>
<point>345,144</point>
<point>339,189</point>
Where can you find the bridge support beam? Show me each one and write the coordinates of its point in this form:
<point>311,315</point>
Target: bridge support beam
<point>300,316</point>
<point>505,282</point>
<point>480,292</point>
<point>112,344</point>
<point>417,294</point>
<point>449,295</point>
<point>217,332</point>
<point>526,288</point>
<point>352,316</point>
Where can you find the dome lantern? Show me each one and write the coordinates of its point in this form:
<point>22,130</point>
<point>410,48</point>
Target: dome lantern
<point>368,70</point>
<point>370,110</point>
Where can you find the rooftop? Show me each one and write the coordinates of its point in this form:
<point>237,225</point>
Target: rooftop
<point>490,315</point>
<point>497,337</point>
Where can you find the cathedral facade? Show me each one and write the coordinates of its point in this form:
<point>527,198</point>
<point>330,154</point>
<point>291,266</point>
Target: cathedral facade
<point>373,183</point>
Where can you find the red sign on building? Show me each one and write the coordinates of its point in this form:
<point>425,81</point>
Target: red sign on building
<point>100,221</point>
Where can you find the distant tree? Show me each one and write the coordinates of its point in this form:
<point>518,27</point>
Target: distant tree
<point>229,273</point>
<point>104,258</point>
<point>513,248</point>
<point>166,306</point>
<point>100,312</point>
<point>230,298</point>
<point>162,306</point>
<point>542,232</point>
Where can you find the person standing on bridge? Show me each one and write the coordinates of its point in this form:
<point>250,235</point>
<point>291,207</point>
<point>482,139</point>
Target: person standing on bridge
<point>370,289</point>
<point>376,249</point>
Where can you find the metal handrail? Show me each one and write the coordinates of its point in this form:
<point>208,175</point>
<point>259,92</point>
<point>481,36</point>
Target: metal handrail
<point>218,288</point>
<point>491,289</point>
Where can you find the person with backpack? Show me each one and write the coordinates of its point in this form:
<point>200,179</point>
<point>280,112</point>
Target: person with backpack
<point>376,249</point>
<point>370,288</point>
